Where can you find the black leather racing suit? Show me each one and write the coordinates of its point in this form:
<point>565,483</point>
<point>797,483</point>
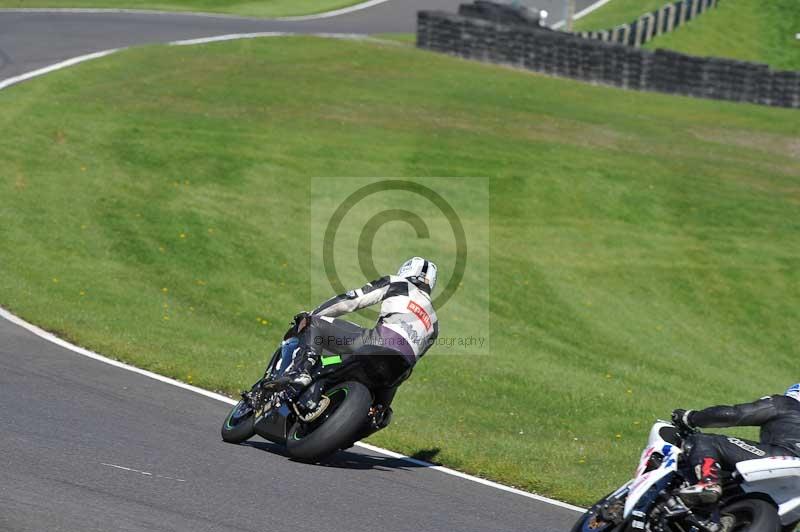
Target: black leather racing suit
<point>406,328</point>
<point>777,415</point>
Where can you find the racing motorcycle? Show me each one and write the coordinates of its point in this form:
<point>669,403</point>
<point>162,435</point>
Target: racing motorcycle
<point>337,409</point>
<point>762,495</point>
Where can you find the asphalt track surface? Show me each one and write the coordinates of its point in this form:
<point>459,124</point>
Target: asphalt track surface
<point>32,40</point>
<point>71,424</point>
<point>90,447</point>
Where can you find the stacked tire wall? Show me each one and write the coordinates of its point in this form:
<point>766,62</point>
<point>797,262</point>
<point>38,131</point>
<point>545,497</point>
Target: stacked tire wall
<point>596,61</point>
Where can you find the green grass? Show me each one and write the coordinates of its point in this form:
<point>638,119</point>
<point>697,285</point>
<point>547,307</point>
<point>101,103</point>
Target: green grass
<point>155,206</point>
<point>403,38</point>
<point>249,8</point>
<point>747,30</point>
<point>618,12</point>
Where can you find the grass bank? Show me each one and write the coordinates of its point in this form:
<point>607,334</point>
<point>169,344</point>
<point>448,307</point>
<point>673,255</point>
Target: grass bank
<point>248,8</point>
<point>155,206</point>
<point>747,30</point>
<point>763,32</point>
<point>617,12</point>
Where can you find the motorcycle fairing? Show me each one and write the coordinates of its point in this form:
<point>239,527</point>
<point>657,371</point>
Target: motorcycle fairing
<point>272,425</point>
<point>778,477</point>
<point>644,480</point>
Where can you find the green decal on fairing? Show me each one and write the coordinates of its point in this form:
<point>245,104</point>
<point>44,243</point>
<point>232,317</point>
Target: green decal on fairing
<point>329,361</point>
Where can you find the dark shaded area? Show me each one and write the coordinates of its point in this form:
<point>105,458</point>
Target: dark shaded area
<point>350,459</point>
<point>427,455</point>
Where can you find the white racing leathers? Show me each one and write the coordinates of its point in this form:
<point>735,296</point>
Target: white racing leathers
<point>407,321</point>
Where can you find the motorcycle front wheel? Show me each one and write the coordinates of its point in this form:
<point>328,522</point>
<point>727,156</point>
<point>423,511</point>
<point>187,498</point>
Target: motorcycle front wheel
<point>240,423</point>
<point>340,423</point>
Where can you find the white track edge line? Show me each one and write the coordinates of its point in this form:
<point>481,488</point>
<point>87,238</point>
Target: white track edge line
<point>582,13</point>
<point>50,337</point>
<point>472,478</point>
<point>5,83</point>
<point>257,35</point>
<point>57,66</point>
<point>111,10</point>
<point>337,12</point>
<point>229,37</point>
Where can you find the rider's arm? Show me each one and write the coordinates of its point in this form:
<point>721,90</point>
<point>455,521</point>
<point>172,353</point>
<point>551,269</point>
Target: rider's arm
<point>367,295</point>
<point>431,339</point>
<point>747,414</point>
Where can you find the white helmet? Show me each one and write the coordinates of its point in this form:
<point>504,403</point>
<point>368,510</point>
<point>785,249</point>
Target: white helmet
<point>419,270</point>
<point>794,391</point>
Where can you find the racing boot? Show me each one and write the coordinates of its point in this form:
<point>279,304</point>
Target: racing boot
<point>708,490</point>
<point>298,375</point>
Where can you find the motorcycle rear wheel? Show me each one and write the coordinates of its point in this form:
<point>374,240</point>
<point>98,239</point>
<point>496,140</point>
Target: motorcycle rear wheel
<point>753,515</point>
<point>341,423</point>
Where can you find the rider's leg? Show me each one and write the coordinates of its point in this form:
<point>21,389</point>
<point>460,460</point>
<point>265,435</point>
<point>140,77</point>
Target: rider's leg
<point>332,335</point>
<point>704,457</point>
<point>710,453</point>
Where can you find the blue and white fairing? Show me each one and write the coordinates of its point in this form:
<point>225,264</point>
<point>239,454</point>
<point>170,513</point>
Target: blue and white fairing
<point>643,480</point>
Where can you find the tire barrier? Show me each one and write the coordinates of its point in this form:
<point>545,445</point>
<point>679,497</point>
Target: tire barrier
<point>651,25</point>
<point>596,61</point>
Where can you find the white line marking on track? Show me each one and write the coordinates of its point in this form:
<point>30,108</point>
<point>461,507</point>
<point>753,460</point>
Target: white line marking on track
<point>58,66</point>
<point>145,473</point>
<point>582,13</point>
<point>459,474</point>
<point>337,12</point>
<point>108,10</point>
<point>111,10</point>
<point>230,37</point>
<point>41,333</point>
<point>237,36</point>
<point>203,40</point>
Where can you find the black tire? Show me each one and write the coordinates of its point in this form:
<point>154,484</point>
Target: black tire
<point>340,424</point>
<point>590,513</point>
<point>753,515</point>
<point>240,423</point>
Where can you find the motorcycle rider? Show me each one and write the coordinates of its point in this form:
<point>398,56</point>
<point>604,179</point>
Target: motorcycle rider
<point>406,328</point>
<point>779,419</point>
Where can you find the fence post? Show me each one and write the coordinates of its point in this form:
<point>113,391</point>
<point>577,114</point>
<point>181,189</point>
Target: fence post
<point>651,21</point>
<point>684,12</point>
<point>695,7</point>
<point>626,34</point>
<point>637,42</point>
<point>665,14</point>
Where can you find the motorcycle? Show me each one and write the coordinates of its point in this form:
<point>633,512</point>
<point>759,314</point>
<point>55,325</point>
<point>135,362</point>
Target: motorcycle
<point>342,392</point>
<point>762,495</point>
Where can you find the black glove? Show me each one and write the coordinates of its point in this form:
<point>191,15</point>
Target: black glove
<point>299,322</point>
<point>302,320</point>
<point>680,418</point>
